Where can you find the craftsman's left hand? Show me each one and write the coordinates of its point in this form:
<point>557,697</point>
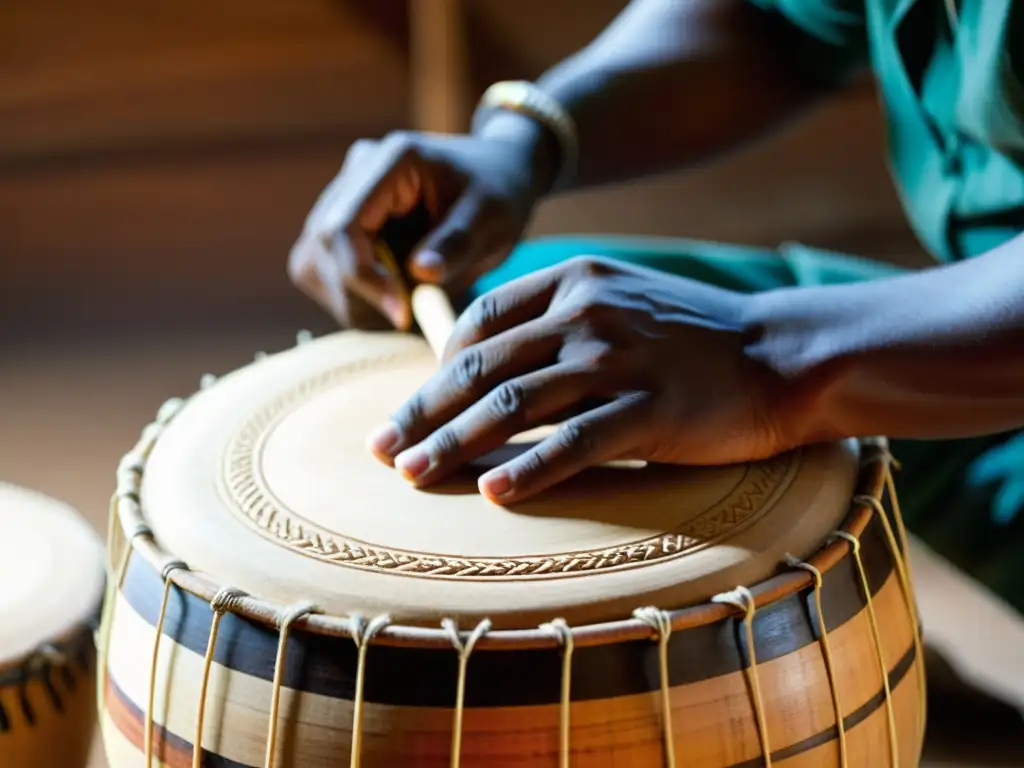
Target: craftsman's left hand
<point>647,365</point>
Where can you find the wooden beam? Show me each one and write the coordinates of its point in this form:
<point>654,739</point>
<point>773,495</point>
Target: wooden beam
<point>438,63</point>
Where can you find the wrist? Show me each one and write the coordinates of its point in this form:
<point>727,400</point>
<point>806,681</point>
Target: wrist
<point>547,113</point>
<point>801,343</point>
<point>532,143</point>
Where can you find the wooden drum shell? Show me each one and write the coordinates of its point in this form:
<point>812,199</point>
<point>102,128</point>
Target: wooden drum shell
<point>512,706</point>
<point>48,707</point>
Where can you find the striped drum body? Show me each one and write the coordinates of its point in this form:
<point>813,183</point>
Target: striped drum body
<point>279,598</point>
<point>51,586</point>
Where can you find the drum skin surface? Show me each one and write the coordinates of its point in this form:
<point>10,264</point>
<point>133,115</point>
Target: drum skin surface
<point>273,458</point>
<point>261,483</point>
<point>51,588</point>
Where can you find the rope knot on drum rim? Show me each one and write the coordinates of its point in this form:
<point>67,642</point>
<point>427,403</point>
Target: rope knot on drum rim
<point>292,613</point>
<point>170,567</point>
<point>132,462</point>
<point>128,509</point>
<point>169,410</point>
<point>128,488</point>
<point>227,599</point>
<point>852,540</point>
<point>740,597</point>
<point>362,633</point>
<point>655,618</point>
<point>661,622</point>
<point>451,628</point>
<point>881,453</point>
<point>129,476</point>
<point>139,529</point>
<point>464,649</point>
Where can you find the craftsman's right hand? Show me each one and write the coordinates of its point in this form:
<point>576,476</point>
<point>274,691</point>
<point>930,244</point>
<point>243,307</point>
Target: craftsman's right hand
<point>478,190</point>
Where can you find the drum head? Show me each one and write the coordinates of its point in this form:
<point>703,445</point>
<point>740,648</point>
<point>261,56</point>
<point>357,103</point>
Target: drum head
<point>51,572</point>
<point>263,482</point>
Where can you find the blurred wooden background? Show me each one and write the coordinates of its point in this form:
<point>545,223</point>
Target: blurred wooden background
<point>157,159</point>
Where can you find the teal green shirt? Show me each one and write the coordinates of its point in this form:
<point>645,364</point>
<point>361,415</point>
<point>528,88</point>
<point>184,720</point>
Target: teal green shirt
<point>952,95</point>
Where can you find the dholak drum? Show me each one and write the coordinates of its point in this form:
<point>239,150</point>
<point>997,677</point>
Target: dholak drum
<point>51,588</point>
<point>286,600</point>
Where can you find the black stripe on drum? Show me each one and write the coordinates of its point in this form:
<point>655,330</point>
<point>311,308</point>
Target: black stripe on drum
<point>167,741</point>
<point>427,677</point>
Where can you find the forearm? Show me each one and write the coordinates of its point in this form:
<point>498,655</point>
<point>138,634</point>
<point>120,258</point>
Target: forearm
<point>932,354</point>
<point>671,82</point>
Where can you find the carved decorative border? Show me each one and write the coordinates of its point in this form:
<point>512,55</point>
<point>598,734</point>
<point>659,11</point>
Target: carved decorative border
<point>259,507</point>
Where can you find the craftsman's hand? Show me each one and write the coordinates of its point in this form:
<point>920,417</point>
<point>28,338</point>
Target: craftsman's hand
<point>649,366</point>
<point>478,192</point>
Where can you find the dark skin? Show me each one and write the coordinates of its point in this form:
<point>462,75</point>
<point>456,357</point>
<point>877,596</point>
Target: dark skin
<point>637,364</point>
<point>588,330</point>
<point>697,375</point>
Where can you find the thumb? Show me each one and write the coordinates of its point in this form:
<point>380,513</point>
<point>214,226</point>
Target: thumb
<point>459,239</point>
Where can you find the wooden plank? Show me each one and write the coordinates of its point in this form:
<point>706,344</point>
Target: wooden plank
<point>438,66</point>
<point>111,76</point>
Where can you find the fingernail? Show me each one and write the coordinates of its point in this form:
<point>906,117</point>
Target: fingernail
<point>384,439</point>
<point>495,484</point>
<point>412,463</point>
<point>396,310</point>
<point>429,264</point>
